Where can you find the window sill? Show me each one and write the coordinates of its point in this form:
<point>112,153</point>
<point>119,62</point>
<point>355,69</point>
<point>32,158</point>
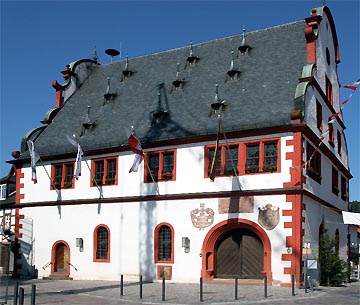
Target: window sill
<point>101,260</point>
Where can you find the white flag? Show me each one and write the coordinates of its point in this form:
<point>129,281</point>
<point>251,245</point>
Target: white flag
<point>77,170</point>
<point>34,158</point>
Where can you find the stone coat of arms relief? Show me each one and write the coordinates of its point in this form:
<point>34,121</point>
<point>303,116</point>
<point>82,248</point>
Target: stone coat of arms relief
<point>269,216</point>
<point>203,217</point>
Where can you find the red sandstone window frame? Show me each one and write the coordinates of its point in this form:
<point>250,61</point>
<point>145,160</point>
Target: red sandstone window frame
<point>331,134</point>
<point>160,164</point>
<point>96,244</point>
<point>313,167</point>
<point>319,115</point>
<point>335,181</point>
<point>106,176</point>
<point>343,188</point>
<point>329,90</point>
<point>62,175</point>
<point>339,143</point>
<point>157,243</point>
<point>223,165</point>
<point>242,165</point>
<point>262,166</point>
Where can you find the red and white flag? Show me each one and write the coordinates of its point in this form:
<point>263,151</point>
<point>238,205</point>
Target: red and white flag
<point>79,155</point>
<point>34,158</point>
<point>354,85</point>
<point>137,149</point>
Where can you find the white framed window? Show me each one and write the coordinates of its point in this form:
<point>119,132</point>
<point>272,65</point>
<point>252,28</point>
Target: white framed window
<point>2,191</point>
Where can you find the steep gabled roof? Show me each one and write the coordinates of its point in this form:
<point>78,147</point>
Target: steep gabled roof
<point>262,96</point>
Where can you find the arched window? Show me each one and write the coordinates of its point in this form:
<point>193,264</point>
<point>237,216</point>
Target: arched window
<point>102,244</point>
<point>164,243</point>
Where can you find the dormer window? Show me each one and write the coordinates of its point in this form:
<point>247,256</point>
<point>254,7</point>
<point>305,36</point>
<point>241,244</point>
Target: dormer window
<point>244,48</point>
<point>192,59</point>
<point>218,106</point>
<point>88,125</point>
<point>160,113</point>
<point>108,96</point>
<point>127,73</point>
<point>232,73</point>
<point>178,83</point>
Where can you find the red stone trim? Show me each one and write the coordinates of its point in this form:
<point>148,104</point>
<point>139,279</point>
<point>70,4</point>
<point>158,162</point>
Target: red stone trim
<point>97,260</point>
<point>295,240</point>
<point>93,171</point>
<point>19,186</point>
<point>161,154</point>
<point>156,243</point>
<point>159,275</point>
<point>212,237</point>
<point>310,44</point>
<point>53,256</point>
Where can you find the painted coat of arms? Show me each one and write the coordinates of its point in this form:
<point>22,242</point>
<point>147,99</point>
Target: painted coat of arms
<point>202,218</point>
<point>269,216</point>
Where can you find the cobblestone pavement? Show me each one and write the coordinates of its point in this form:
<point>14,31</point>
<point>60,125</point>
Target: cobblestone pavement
<point>108,293</point>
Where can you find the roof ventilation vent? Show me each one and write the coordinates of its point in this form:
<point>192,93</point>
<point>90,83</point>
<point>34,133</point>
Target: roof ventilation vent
<point>95,57</point>
<point>108,96</point>
<point>178,83</point>
<point>244,48</point>
<point>126,72</point>
<point>88,125</point>
<point>232,73</point>
<point>192,59</point>
<point>112,53</point>
<point>160,113</point>
<point>219,105</point>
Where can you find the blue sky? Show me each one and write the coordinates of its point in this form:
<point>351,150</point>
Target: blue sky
<point>38,39</point>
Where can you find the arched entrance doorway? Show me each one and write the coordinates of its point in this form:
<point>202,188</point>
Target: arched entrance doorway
<point>60,259</point>
<point>236,247</point>
<point>240,252</point>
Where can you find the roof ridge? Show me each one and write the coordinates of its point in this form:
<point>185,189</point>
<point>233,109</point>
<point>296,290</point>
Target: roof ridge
<point>208,41</point>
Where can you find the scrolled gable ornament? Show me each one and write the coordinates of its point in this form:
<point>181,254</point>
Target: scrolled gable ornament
<point>202,218</point>
<point>269,216</point>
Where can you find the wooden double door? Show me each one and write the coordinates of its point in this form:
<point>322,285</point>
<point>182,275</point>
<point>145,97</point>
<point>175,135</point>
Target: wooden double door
<point>240,253</point>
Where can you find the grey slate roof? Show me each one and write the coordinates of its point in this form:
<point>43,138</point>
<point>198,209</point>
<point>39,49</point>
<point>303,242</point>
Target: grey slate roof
<point>263,96</point>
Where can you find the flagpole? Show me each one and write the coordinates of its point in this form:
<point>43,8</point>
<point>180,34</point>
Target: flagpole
<point>212,169</point>
<point>152,178</point>
<point>93,179</point>
<point>231,159</point>
<point>52,182</point>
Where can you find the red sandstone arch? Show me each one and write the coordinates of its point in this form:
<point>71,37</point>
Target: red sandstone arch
<point>212,238</point>
<point>65,257</point>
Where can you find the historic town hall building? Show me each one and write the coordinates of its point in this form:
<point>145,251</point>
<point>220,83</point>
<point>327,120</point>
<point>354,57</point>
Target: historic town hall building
<point>245,161</point>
